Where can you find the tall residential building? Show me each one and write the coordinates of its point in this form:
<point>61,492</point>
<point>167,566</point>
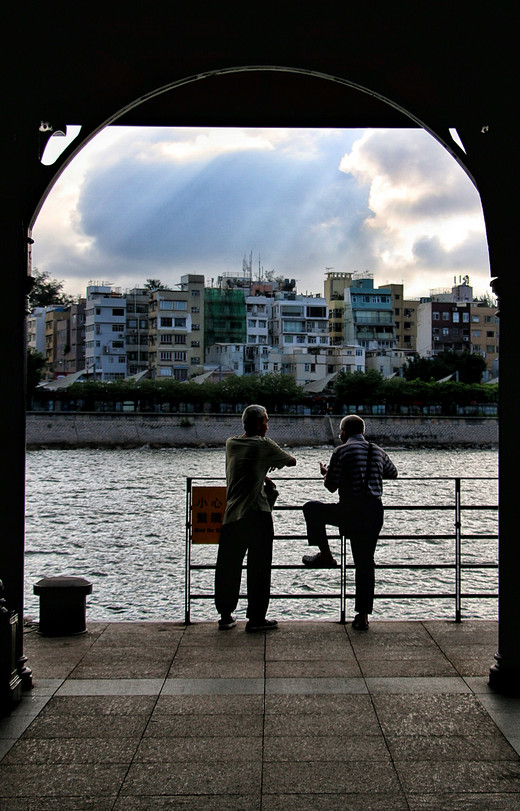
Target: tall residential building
<point>137,303</point>
<point>105,327</point>
<point>334,288</point>
<point>369,319</point>
<point>405,318</point>
<point>176,330</point>
<point>74,352</point>
<point>484,324</point>
<point>36,330</point>
<point>224,315</point>
<point>56,339</point>
<point>298,321</point>
<point>443,325</point>
<point>258,311</point>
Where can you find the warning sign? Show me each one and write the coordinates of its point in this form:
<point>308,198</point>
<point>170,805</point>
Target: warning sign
<point>207,512</point>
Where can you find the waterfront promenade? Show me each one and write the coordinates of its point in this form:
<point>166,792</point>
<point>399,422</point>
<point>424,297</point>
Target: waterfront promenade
<point>312,716</point>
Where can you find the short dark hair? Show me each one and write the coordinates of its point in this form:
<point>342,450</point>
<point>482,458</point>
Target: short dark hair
<point>352,424</point>
<point>251,416</point>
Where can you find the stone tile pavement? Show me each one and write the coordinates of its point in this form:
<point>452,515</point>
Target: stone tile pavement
<point>313,716</point>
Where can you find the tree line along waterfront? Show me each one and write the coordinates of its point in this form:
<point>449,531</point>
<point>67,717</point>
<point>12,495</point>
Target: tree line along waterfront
<point>368,392</point>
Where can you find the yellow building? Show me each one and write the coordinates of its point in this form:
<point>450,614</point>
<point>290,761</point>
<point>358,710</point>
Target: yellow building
<point>176,330</point>
<point>334,290</point>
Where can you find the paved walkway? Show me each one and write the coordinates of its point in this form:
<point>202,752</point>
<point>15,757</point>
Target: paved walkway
<point>311,716</point>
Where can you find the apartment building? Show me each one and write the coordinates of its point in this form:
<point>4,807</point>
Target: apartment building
<point>176,330</point>
<point>36,330</point>
<point>258,312</point>
<point>369,317</point>
<point>334,289</point>
<point>74,349</point>
<point>224,315</point>
<point>239,359</point>
<point>136,335</point>
<point>405,318</point>
<point>484,337</point>
<point>443,325</point>
<point>57,331</point>
<point>105,327</point>
<point>298,321</point>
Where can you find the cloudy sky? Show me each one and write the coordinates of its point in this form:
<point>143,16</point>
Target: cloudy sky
<point>159,203</point>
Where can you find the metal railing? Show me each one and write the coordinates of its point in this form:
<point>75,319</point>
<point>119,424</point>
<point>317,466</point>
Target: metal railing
<point>457,537</point>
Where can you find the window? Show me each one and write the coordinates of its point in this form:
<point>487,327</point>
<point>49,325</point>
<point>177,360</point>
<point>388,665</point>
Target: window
<point>436,316</point>
<point>118,328</point>
<point>293,326</point>
<point>118,344</point>
<point>456,317</point>
<point>179,356</point>
<point>165,305</point>
<point>195,327</point>
<point>195,292</point>
<point>490,349</point>
<point>180,305</point>
<point>476,333</point>
<point>165,372</point>
<point>165,322</point>
<point>121,359</point>
<point>490,334</point>
<point>195,343</point>
<point>131,324</point>
<point>196,361</point>
<point>251,322</point>
<point>445,331</point>
<point>465,317</point>
<point>166,339</point>
<point>179,339</point>
<point>118,311</point>
<point>195,309</point>
<point>165,355</point>
<point>445,316</point>
<point>316,312</point>
<point>179,322</point>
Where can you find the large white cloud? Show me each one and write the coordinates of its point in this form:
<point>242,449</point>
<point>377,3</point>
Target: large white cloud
<point>141,203</point>
<point>425,214</point>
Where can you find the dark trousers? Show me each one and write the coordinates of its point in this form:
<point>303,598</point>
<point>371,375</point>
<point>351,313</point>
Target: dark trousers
<point>361,522</point>
<point>252,534</point>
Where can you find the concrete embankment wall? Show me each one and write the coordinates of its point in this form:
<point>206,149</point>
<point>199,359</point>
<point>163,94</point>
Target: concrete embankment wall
<point>82,430</point>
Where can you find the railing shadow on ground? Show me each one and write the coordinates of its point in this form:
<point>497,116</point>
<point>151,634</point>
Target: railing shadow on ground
<point>204,511</point>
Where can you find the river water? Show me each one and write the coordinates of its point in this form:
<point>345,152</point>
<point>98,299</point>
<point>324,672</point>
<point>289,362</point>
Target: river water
<point>117,517</point>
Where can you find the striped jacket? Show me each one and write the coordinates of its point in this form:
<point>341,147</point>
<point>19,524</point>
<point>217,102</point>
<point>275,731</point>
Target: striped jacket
<point>346,471</point>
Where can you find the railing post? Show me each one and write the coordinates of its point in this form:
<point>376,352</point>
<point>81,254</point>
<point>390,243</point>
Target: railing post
<point>187,569</point>
<point>458,553</point>
<point>343,580</point>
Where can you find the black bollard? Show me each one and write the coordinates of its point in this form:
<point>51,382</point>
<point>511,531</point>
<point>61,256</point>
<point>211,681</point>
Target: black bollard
<point>62,605</point>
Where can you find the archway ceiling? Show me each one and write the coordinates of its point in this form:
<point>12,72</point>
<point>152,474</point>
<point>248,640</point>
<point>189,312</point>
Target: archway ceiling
<point>446,67</point>
<point>449,65</point>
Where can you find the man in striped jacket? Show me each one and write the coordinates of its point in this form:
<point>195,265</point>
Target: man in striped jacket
<point>356,470</point>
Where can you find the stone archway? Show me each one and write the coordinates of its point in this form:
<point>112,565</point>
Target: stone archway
<point>354,53</point>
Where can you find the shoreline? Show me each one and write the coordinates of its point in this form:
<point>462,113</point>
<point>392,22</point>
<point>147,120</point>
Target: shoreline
<point>74,430</point>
